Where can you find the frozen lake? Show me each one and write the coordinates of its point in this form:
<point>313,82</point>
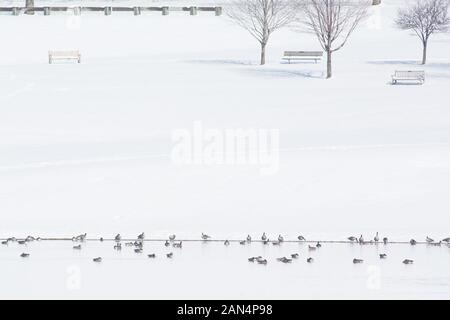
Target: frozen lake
<point>211,270</point>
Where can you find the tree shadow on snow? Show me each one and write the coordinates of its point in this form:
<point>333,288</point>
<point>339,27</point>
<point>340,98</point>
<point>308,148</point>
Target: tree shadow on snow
<point>283,73</point>
<point>410,63</point>
<point>223,62</point>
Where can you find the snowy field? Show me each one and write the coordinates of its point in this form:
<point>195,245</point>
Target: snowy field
<point>87,148</point>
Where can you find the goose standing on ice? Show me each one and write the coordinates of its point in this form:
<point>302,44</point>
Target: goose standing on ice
<point>264,237</point>
<point>310,260</point>
<point>118,237</point>
<point>301,238</point>
<point>78,247</point>
<point>361,239</point>
<point>318,245</point>
<point>118,246</point>
<point>262,261</point>
<point>205,237</point>
<point>178,244</point>
<point>383,256</point>
<point>249,239</point>
<point>385,240</point>
<point>429,240</point>
<point>280,238</point>
<point>167,243</point>
<point>141,236</point>
<point>152,255</point>
<point>352,239</point>
<point>446,240</point>
<point>376,238</point>
<point>169,255</point>
<point>294,256</point>
<point>311,248</point>
<point>227,243</point>
<point>99,259</point>
<point>243,242</point>
<point>358,260</point>
<point>24,255</point>
<point>413,242</point>
<point>172,237</point>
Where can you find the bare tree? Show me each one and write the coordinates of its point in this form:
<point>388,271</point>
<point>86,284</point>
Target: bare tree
<point>424,17</point>
<point>332,21</point>
<point>261,18</point>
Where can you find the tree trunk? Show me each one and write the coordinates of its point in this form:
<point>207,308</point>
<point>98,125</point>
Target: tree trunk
<point>424,54</point>
<point>329,67</point>
<point>263,53</point>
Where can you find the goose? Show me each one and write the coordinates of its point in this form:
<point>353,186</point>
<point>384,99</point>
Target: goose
<point>385,240</point>
<point>99,259</point>
<point>141,236</point>
<point>205,236</point>
<point>447,240</point>
<point>301,238</point>
<point>358,260</point>
<point>117,237</point>
<point>436,244</point>
<point>178,245</point>
<point>267,241</point>
<point>383,256</point>
<point>5,242</point>
<point>262,261</point>
<point>167,243</point>
<point>21,242</point>
<point>253,259</point>
<point>318,245</point>
<point>78,247</point>
<point>227,243</point>
<point>118,247</point>
<point>249,239</point>
<point>408,261</point>
<point>352,239</point>
<point>413,242</point>
<point>243,242</point>
<point>276,243</point>
<point>101,239</point>
<point>284,260</point>
<point>429,240</point>
<point>295,255</point>
<point>310,260</point>
<point>311,248</point>
<point>24,255</point>
<point>172,237</point>
<point>280,238</point>
<point>264,237</point>
<point>169,255</point>
<point>139,250</point>
<point>129,244</point>
<point>152,255</point>
<point>30,239</point>
<point>376,239</point>
<point>361,239</point>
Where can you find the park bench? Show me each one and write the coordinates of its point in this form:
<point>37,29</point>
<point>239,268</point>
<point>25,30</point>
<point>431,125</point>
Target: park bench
<point>303,56</point>
<point>417,76</point>
<point>64,55</point>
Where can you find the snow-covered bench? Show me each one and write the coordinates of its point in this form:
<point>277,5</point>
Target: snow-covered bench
<point>64,55</point>
<point>303,55</point>
<point>417,76</point>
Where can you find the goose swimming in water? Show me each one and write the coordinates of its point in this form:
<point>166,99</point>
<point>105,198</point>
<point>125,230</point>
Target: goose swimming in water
<point>117,237</point>
<point>385,240</point>
<point>205,236</point>
<point>24,255</point>
<point>301,238</point>
<point>227,243</point>
<point>264,237</point>
<point>376,238</point>
<point>429,240</point>
<point>408,261</point>
<point>172,237</point>
<point>413,242</point>
<point>99,259</point>
<point>310,260</point>
<point>358,260</point>
<point>78,247</point>
<point>152,255</point>
<point>295,255</point>
<point>178,244</point>
<point>169,255</point>
<point>383,256</point>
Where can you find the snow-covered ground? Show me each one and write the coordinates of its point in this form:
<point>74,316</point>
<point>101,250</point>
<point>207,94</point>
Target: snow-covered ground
<point>87,148</point>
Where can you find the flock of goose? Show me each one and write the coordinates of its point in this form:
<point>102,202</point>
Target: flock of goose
<point>138,245</point>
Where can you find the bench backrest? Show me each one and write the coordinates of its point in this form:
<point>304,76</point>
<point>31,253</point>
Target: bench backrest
<point>410,74</point>
<point>71,53</point>
<point>303,53</point>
